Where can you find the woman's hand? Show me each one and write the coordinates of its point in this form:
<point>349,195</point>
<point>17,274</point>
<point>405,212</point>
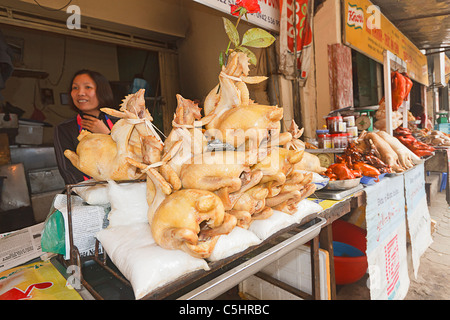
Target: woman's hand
<point>94,125</point>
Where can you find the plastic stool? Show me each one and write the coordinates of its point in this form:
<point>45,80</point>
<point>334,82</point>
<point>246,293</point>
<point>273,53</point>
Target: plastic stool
<point>443,181</point>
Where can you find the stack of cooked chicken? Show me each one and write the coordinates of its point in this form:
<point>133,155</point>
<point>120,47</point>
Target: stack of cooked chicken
<point>195,193</point>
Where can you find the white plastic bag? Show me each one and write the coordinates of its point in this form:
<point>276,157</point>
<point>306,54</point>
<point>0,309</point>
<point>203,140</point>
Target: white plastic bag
<point>128,203</point>
<point>236,241</point>
<point>305,208</point>
<point>145,264</point>
<point>267,227</point>
<point>94,195</point>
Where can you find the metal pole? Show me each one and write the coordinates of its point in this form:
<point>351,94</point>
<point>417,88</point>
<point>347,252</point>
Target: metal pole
<point>405,112</point>
<point>387,90</point>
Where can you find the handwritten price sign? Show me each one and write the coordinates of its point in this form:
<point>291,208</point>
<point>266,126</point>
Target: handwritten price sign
<point>419,220</point>
<point>386,239</point>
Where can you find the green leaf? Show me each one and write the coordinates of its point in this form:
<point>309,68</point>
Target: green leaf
<point>221,59</point>
<point>231,31</point>
<point>251,56</point>
<point>257,38</point>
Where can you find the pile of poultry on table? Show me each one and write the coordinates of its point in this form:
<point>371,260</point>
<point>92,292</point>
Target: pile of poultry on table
<point>220,169</point>
<point>376,153</point>
<point>196,194</point>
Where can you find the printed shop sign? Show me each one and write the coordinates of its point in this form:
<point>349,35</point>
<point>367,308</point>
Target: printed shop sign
<point>367,30</point>
<point>386,240</point>
<point>355,17</point>
<point>269,18</point>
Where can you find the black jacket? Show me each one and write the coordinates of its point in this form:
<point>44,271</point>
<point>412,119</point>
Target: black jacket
<point>65,137</point>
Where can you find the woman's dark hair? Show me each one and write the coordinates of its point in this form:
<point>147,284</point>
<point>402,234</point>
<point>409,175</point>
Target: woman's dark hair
<point>104,92</point>
<point>417,109</point>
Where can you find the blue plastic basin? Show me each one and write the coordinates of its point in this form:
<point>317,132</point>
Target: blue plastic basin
<point>345,250</point>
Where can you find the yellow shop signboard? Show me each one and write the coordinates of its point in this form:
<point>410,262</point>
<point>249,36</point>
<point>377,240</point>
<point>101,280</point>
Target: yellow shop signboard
<point>367,30</point>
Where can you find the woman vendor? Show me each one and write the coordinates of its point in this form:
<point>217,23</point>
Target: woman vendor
<point>418,111</point>
<point>89,91</point>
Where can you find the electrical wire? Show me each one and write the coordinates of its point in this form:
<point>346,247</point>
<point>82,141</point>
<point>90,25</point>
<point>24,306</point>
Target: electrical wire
<point>63,67</point>
<point>50,9</point>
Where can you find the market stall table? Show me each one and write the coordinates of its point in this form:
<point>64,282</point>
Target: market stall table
<point>337,210</point>
<point>227,273</point>
<point>223,274</point>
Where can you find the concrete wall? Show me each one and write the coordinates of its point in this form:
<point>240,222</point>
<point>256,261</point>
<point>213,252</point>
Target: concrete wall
<point>327,30</point>
<point>195,29</point>
<point>159,16</point>
<point>199,50</point>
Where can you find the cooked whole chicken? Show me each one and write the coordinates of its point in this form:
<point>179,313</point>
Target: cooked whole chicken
<point>276,166</point>
<point>103,156</point>
<point>251,205</point>
<point>186,114</point>
<point>232,89</point>
<point>191,220</point>
<point>309,161</point>
<point>249,124</point>
<point>195,195</point>
<point>223,172</point>
<point>286,185</point>
<point>297,187</point>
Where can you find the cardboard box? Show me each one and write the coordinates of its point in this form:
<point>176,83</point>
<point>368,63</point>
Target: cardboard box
<point>30,134</point>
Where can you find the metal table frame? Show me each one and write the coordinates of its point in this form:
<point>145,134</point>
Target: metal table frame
<point>226,274</point>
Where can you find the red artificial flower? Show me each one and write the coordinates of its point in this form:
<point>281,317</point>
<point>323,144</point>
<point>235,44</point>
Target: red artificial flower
<point>245,6</point>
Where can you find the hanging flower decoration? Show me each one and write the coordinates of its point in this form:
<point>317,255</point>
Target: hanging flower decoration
<point>254,37</point>
<point>243,7</point>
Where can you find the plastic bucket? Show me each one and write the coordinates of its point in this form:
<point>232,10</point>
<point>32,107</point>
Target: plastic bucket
<point>349,243</point>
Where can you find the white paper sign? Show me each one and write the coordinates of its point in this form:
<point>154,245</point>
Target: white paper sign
<point>418,216</point>
<point>269,18</point>
<point>386,239</point>
<point>86,222</point>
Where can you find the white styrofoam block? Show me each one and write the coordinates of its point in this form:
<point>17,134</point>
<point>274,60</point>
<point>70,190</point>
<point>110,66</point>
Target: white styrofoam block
<point>293,269</point>
<point>262,290</point>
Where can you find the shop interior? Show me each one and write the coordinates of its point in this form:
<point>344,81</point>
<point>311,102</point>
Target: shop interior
<point>35,98</point>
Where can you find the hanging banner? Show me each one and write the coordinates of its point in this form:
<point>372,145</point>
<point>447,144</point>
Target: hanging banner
<point>269,18</point>
<point>295,38</point>
<point>418,216</point>
<point>386,240</point>
<point>367,30</point>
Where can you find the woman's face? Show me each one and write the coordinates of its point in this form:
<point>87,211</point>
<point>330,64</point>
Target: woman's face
<point>84,94</point>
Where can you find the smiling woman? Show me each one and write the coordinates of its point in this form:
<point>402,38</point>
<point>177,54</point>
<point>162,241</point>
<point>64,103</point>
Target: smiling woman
<point>84,94</point>
<point>89,91</point>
